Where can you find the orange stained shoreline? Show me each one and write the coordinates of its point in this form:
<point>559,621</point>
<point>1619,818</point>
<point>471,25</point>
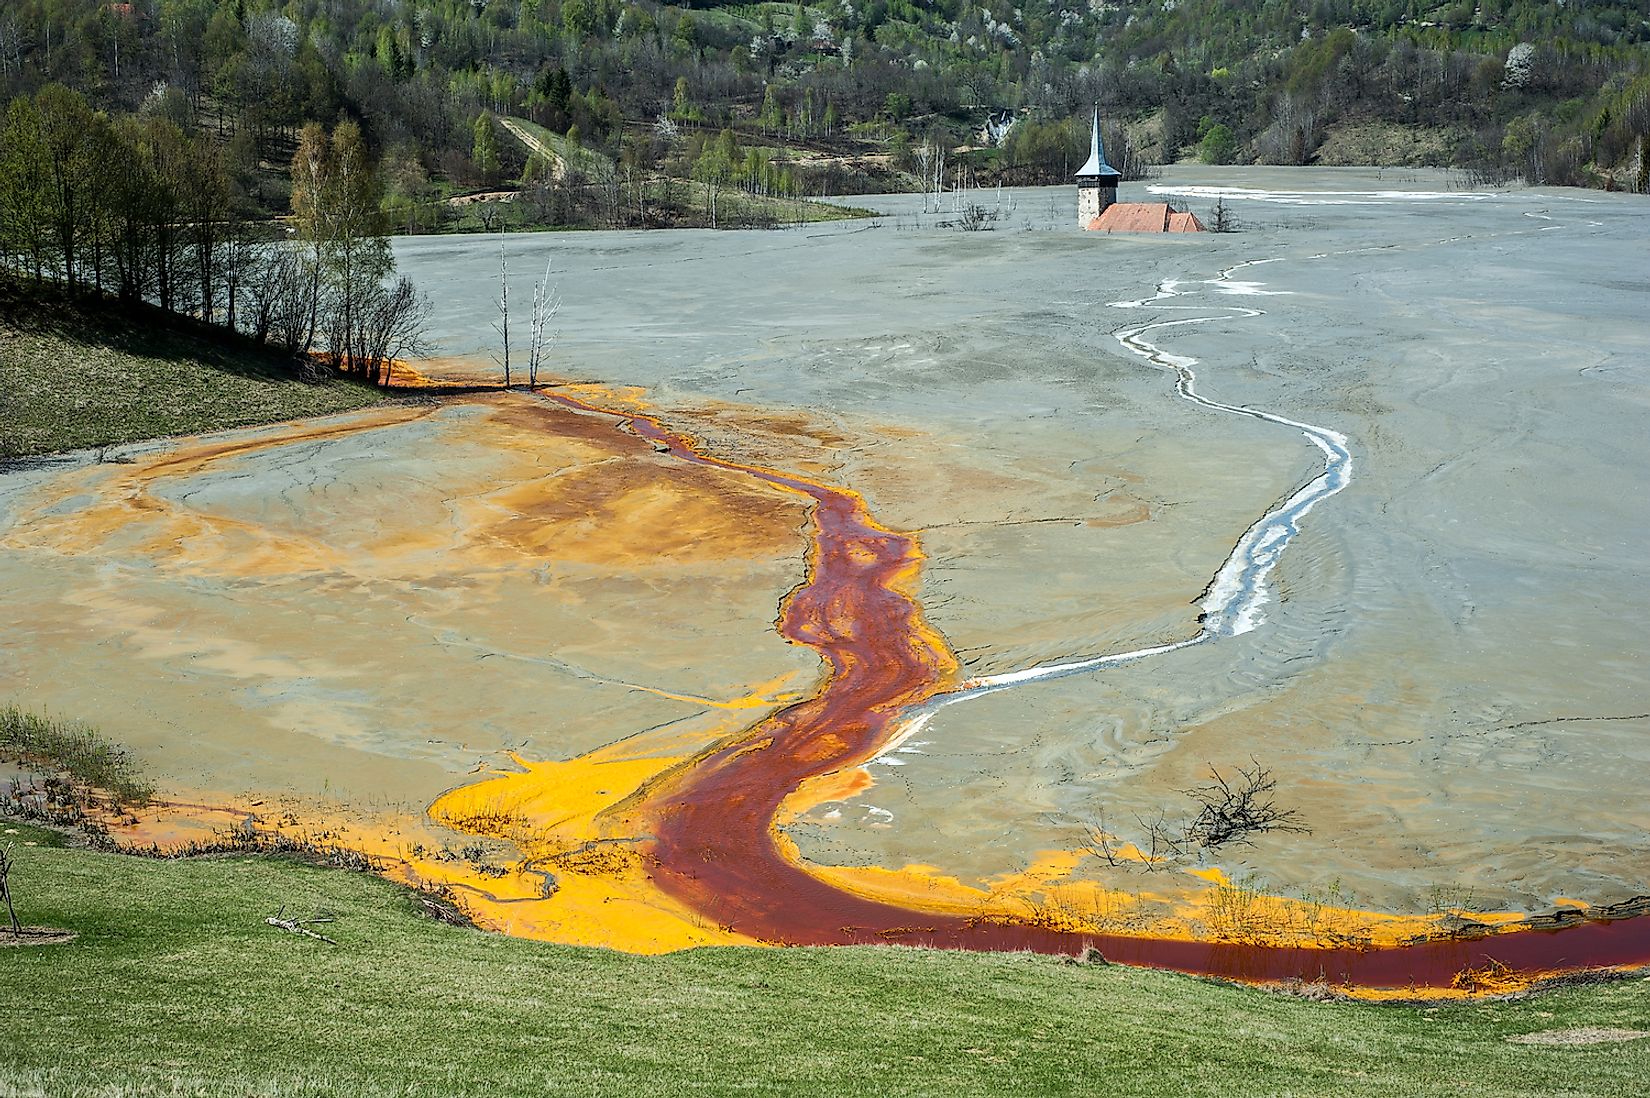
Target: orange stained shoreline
<point>705,828</point>
<point>651,852</point>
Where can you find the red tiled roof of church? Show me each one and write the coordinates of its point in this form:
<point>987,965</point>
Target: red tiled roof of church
<point>1145,217</point>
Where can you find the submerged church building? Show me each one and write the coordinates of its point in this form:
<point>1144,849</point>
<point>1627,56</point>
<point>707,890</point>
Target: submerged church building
<point>1099,211</point>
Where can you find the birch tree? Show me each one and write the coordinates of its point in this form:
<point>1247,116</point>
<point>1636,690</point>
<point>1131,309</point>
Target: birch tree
<point>69,173</point>
<point>357,255</point>
<point>337,199</point>
<point>502,324</point>
<point>546,304</point>
<point>310,171</point>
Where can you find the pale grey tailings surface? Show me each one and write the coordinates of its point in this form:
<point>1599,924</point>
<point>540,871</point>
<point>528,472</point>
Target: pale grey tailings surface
<point>1450,682</point>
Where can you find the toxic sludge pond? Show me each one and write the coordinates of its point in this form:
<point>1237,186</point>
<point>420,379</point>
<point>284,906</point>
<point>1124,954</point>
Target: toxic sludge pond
<point>885,582</point>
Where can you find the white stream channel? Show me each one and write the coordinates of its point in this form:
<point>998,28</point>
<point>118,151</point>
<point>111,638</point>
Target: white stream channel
<point>1233,602</point>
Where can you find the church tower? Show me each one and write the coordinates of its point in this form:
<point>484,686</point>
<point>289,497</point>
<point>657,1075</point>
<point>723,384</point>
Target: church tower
<point>1096,180</point>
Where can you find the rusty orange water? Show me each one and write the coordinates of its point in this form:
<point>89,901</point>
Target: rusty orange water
<point>714,846</point>
<point>660,850</point>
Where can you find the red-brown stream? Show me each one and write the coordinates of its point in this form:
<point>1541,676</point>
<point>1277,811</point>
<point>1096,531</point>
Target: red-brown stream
<point>712,819</point>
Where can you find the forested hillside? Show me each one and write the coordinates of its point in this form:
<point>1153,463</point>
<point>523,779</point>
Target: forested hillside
<point>773,100</point>
<point>137,212</point>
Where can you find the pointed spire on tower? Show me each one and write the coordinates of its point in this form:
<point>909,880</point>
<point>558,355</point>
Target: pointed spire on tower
<point>1096,165</point>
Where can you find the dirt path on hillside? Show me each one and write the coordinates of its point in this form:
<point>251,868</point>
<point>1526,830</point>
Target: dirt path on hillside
<point>558,166</point>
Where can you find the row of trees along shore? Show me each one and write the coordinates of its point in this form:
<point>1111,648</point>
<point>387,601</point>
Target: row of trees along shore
<point>843,92</point>
<point>137,208</point>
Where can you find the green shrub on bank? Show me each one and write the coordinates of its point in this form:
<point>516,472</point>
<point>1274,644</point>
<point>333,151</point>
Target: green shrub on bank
<point>77,749</point>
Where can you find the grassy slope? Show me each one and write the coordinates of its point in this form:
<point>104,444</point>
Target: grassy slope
<point>87,374</point>
<point>575,156</point>
<point>733,202</point>
<point>176,977</point>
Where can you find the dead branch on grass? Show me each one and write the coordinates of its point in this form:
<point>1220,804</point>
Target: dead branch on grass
<point>301,926</point>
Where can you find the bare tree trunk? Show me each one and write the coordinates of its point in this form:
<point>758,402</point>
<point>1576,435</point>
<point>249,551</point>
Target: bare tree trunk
<point>502,325</point>
<point>546,304</point>
<point>314,301</point>
<point>5,891</point>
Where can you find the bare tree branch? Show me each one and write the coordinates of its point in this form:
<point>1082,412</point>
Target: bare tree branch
<point>1232,811</point>
<point>5,890</point>
<point>301,926</point>
<point>546,304</point>
<point>502,324</point>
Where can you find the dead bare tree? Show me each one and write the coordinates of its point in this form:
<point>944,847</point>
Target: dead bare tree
<point>1234,810</point>
<point>5,890</point>
<point>975,218</point>
<point>1100,842</point>
<point>610,188</point>
<point>1293,134</point>
<point>389,328</point>
<point>1229,811</point>
<point>930,158</point>
<point>1221,218</point>
<point>1162,846</point>
<point>502,324</point>
<point>546,304</point>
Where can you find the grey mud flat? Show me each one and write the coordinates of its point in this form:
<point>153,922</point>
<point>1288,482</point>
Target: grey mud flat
<point>1449,683</point>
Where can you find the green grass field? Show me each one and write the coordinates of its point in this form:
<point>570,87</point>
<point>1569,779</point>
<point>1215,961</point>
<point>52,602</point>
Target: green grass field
<point>176,986</point>
<point>80,373</point>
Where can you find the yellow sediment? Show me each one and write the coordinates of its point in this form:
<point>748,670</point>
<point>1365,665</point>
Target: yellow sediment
<point>566,858</point>
<point>559,821</point>
<point>552,870</point>
<point>1049,892</point>
<point>124,511</point>
<point>832,788</point>
<point>580,880</point>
